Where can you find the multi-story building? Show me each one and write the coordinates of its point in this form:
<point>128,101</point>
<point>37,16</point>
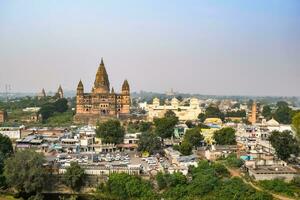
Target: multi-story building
<point>102,103</point>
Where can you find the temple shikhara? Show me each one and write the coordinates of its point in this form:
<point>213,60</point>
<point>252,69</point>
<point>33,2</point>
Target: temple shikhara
<point>102,103</point>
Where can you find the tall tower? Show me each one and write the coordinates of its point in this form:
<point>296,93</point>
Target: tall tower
<point>253,113</point>
<point>101,84</point>
<point>125,105</point>
<point>80,98</point>
<point>60,92</point>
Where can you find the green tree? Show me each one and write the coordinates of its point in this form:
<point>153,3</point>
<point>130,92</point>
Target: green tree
<point>25,172</point>
<point>267,112</point>
<point>150,143</point>
<point>202,117</point>
<point>170,113</point>
<point>233,161</point>
<point>47,111</point>
<point>74,176</point>
<point>283,113</point>
<point>124,186</point>
<point>185,148</point>
<point>110,131</point>
<point>296,124</point>
<point>164,127</point>
<point>61,105</point>
<point>284,144</point>
<point>225,136</point>
<point>239,113</point>
<point>6,150</point>
<point>5,145</point>
<point>213,112</point>
<point>145,126</point>
<point>194,137</point>
<point>189,124</point>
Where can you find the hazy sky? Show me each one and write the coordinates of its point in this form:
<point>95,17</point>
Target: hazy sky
<point>242,47</point>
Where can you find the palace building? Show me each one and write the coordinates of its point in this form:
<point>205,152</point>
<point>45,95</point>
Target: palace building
<point>102,103</point>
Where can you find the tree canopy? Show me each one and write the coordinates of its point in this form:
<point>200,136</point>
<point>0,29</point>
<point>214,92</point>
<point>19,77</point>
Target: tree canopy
<point>284,144</point>
<point>267,112</point>
<point>186,148</point>
<point>110,131</point>
<point>213,112</point>
<point>164,127</point>
<point>124,186</point>
<point>74,176</point>
<point>296,124</point>
<point>194,137</point>
<point>6,150</point>
<point>225,136</point>
<point>25,172</point>
<point>48,109</point>
<point>283,113</point>
<point>150,143</point>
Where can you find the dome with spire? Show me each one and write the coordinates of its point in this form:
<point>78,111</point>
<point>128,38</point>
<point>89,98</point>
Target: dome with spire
<point>101,82</point>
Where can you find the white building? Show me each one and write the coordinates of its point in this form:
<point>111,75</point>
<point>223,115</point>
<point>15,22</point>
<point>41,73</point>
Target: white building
<point>184,113</point>
<point>11,132</point>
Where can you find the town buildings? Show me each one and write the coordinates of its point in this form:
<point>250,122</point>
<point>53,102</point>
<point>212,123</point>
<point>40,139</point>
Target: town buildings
<point>102,103</point>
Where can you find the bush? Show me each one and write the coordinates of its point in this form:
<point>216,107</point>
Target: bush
<point>280,186</point>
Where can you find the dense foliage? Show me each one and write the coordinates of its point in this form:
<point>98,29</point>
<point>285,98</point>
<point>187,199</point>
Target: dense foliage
<point>233,161</point>
<point>124,186</point>
<point>284,144</point>
<point>49,109</point>
<point>280,186</point>
<point>225,136</point>
<point>208,181</point>
<point>74,176</point>
<point>194,137</point>
<point>6,150</point>
<point>283,114</point>
<point>25,172</point>
<point>212,112</point>
<point>138,126</point>
<point>149,142</point>
<point>110,131</point>
<point>164,127</point>
<point>185,148</point>
<point>267,112</point>
<point>296,124</point>
<point>239,113</point>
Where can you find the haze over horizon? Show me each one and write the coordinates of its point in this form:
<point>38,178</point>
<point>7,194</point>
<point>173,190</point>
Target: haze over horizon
<point>215,47</point>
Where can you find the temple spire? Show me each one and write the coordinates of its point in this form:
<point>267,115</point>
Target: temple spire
<point>101,82</point>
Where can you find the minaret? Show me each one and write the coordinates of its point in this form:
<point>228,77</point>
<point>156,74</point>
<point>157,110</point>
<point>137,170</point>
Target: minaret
<point>60,92</point>
<point>253,113</point>
<point>125,98</point>
<point>80,89</point>
<point>112,90</point>
<point>125,87</point>
<point>101,84</point>
<point>80,98</point>
<point>43,92</point>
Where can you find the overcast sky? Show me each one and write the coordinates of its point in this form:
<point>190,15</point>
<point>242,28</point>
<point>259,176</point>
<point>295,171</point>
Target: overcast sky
<point>226,47</point>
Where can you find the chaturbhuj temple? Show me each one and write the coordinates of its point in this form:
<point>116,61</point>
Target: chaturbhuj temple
<point>102,103</point>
